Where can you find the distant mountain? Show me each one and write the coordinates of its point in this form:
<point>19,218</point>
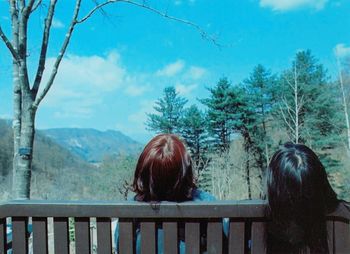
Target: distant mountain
<point>48,155</point>
<point>93,145</point>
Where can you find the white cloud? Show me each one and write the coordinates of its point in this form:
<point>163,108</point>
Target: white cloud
<point>286,5</point>
<point>57,23</point>
<point>341,50</point>
<point>196,72</point>
<point>184,90</point>
<point>171,69</point>
<point>82,81</point>
<point>136,90</point>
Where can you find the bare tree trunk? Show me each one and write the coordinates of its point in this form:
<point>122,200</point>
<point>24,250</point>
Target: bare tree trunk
<point>345,106</point>
<point>296,106</point>
<point>291,112</point>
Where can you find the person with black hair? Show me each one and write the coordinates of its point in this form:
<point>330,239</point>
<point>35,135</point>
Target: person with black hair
<point>299,197</point>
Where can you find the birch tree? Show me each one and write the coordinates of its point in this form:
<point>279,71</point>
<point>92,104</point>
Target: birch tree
<point>291,110</point>
<point>26,95</point>
<point>344,102</point>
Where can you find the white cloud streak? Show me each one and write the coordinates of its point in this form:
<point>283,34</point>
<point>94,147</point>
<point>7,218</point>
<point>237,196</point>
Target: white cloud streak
<point>341,50</point>
<point>171,69</point>
<point>287,5</point>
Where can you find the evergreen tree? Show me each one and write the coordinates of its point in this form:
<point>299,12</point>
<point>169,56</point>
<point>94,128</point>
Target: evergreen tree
<point>170,110</point>
<point>309,106</point>
<point>193,131</point>
<point>259,102</point>
<point>223,115</point>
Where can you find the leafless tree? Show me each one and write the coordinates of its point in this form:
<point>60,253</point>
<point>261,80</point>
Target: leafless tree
<point>291,110</point>
<point>26,95</point>
<point>344,101</point>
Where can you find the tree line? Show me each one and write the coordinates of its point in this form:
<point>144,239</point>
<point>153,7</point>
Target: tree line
<point>301,104</point>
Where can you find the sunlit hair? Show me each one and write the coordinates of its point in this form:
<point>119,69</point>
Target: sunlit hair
<point>299,197</point>
<point>164,171</point>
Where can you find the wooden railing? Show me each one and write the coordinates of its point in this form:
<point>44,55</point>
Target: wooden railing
<point>246,220</point>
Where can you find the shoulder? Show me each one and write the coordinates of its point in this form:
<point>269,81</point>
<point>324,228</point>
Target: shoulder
<point>200,195</point>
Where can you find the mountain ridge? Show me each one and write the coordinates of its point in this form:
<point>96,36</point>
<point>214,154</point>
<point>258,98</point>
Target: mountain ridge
<point>93,145</point>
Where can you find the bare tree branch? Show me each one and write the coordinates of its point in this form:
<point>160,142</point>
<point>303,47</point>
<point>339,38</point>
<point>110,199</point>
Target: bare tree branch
<point>158,12</point>
<point>44,45</point>
<point>285,119</point>
<point>60,55</point>
<point>36,5</point>
<point>9,46</point>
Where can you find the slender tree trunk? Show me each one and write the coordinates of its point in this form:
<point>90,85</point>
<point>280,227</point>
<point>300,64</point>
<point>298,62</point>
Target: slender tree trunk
<point>296,106</point>
<point>345,106</point>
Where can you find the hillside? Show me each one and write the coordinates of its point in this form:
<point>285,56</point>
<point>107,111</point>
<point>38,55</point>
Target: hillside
<point>92,145</point>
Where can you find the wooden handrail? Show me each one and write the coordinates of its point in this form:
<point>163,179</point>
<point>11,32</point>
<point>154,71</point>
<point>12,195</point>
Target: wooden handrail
<point>132,209</point>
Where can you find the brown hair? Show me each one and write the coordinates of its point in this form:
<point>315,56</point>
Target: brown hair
<point>164,171</point>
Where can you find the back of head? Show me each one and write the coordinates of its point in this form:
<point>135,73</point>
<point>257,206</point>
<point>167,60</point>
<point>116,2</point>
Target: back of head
<point>164,171</point>
<point>299,197</point>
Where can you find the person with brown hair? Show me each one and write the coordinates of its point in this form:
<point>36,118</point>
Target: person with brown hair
<point>164,173</point>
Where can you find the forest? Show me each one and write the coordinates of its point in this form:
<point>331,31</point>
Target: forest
<point>233,133</point>
<point>231,136</point>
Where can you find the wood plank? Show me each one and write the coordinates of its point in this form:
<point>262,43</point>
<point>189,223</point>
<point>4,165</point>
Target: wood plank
<point>236,237</point>
<point>258,238</point>
<point>341,237</point>
<point>330,234</point>
<point>215,237</point>
<point>104,238</point>
<point>40,243</point>
<point>148,238</point>
<point>126,237</point>
<point>170,238</point>
<point>19,235</point>
<point>82,235</point>
<point>61,235</point>
<point>3,236</point>
<point>192,237</point>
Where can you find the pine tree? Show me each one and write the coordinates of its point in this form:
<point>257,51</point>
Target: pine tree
<point>259,102</point>
<point>170,110</point>
<point>194,133</point>
<point>223,116</point>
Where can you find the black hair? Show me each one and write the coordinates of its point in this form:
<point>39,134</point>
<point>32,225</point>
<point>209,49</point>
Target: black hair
<point>299,197</point>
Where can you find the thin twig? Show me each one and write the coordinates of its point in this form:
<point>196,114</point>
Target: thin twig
<point>158,12</point>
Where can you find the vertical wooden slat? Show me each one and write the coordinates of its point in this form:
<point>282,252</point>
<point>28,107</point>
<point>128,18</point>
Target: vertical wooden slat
<point>258,238</point>
<point>40,244</point>
<point>19,235</point>
<point>104,240</point>
<point>82,235</point>
<point>3,238</point>
<point>330,234</point>
<point>148,238</point>
<point>236,238</point>
<point>126,237</point>
<point>61,235</point>
<point>192,237</point>
<point>170,238</point>
<point>214,234</point>
<point>341,237</point>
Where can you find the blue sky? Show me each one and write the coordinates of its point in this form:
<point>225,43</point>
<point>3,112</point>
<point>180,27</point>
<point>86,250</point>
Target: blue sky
<point>117,66</point>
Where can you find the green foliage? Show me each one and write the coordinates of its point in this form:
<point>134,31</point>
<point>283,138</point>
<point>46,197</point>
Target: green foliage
<point>259,98</point>
<point>194,133</point>
<point>169,112</point>
<point>305,85</point>
<point>223,114</point>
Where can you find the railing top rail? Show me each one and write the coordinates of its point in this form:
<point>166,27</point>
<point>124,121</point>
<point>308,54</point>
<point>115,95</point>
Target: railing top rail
<point>131,209</point>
